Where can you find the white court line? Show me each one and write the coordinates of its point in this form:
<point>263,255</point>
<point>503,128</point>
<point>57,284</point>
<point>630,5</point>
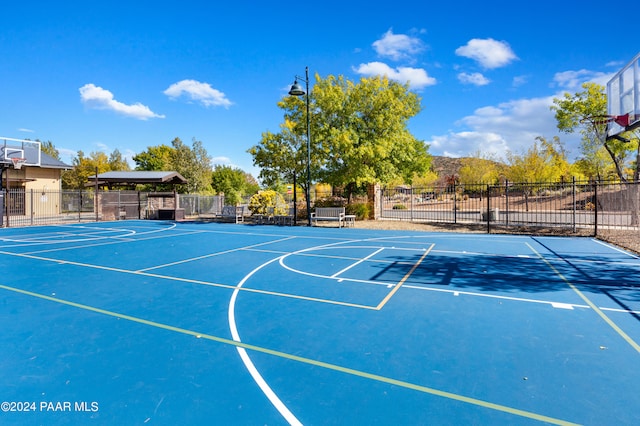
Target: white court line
<point>314,275</point>
<point>264,386</point>
<point>615,248</point>
<point>588,301</point>
<point>364,259</point>
<point>206,256</point>
<point>327,256</point>
<point>63,238</point>
<point>495,296</point>
<point>110,242</point>
<point>30,240</point>
<point>562,305</point>
<point>257,377</point>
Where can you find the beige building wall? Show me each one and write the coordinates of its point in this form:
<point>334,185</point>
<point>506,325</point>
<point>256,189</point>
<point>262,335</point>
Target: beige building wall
<point>44,179</point>
<point>42,189</point>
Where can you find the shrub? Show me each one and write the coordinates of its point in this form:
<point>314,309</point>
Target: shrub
<point>330,202</point>
<point>263,200</point>
<point>360,210</point>
<point>399,207</point>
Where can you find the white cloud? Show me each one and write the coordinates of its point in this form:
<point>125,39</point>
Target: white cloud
<point>397,46</point>
<point>98,98</point>
<point>222,161</point>
<point>514,125</point>
<point>464,144</point>
<point>489,53</point>
<point>102,147</point>
<point>475,78</point>
<point>510,126</point>
<point>520,80</point>
<point>416,77</point>
<point>572,80</point>
<point>67,155</point>
<point>199,92</point>
<point>22,129</point>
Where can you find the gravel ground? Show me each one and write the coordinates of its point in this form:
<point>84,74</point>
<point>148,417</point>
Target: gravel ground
<point>624,239</point>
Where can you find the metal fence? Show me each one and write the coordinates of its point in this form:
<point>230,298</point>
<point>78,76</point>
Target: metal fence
<point>577,208</point>
<point>583,208</point>
<point>34,207</point>
<point>202,206</point>
<point>29,208</point>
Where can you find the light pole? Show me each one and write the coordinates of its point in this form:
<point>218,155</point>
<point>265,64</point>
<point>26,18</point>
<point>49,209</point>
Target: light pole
<point>296,90</point>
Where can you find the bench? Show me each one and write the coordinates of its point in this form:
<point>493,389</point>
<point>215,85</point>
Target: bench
<point>285,219</point>
<point>263,219</point>
<point>328,214</point>
<point>235,213</point>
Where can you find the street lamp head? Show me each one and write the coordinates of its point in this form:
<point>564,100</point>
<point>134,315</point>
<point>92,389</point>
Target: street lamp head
<point>296,89</point>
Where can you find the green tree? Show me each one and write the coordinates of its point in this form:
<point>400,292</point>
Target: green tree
<point>117,162</point>
<point>584,111</point>
<point>233,183</point>
<point>155,158</point>
<point>545,161</point>
<point>361,132</point>
<point>49,149</point>
<point>282,157</point>
<point>194,164</point>
<point>264,201</point>
<point>359,136</point>
<point>83,167</point>
<point>479,168</point>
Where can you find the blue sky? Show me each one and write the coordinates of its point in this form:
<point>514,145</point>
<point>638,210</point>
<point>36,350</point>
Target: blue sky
<point>98,76</point>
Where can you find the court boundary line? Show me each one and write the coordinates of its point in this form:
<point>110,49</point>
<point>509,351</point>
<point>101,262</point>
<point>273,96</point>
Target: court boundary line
<point>304,360</point>
<point>612,247</point>
<point>588,301</point>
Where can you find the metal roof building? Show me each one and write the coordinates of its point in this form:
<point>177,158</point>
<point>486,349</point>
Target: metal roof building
<point>132,178</point>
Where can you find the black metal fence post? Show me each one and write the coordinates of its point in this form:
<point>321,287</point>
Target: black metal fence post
<point>595,210</point>
<point>573,203</point>
<point>488,209</point>
<point>455,203</point>
<point>506,199</point>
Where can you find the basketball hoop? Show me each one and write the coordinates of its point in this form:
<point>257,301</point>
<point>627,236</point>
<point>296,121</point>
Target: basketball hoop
<point>620,120</point>
<point>18,162</point>
<point>598,119</point>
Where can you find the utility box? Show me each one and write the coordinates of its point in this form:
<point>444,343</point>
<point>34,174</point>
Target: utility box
<point>491,215</point>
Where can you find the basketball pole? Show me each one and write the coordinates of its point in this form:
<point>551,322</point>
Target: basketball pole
<point>5,193</point>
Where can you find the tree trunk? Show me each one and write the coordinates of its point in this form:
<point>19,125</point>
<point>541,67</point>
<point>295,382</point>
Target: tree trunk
<point>633,190</point>
<point>616,162</point>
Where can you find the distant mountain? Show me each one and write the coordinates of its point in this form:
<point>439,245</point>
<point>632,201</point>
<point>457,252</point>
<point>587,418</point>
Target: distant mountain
<point>446,166</point>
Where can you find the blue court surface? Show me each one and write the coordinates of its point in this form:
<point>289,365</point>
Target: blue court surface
<point>148,322</point>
